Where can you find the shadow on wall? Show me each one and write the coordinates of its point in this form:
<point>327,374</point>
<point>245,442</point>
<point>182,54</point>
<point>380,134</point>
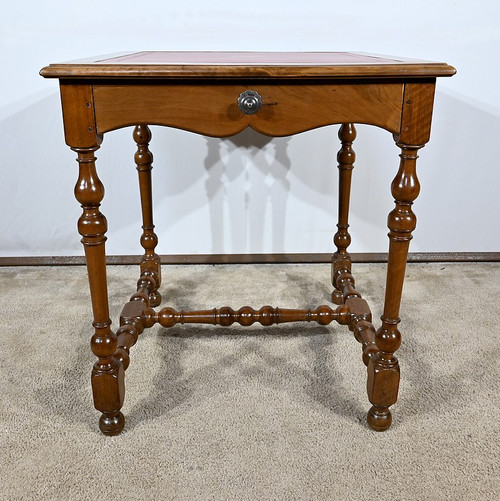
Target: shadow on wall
<point>459,202</point>
<point>264,192</point>
<point>244,191</point>
<point>250,193</point>
<point>261,190</point>
<point>38,174</point>
<point>268,194</point>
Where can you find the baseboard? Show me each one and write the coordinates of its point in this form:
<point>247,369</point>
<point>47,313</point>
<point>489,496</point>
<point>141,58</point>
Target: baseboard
<point>361,257</point>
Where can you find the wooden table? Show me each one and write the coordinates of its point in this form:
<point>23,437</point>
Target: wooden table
<point>220,94</point>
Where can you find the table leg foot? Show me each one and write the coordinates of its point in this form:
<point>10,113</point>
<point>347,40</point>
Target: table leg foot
<point>379,418</point>
<point>108,387</point>
<point>383,369</point>
<point>111,423</point>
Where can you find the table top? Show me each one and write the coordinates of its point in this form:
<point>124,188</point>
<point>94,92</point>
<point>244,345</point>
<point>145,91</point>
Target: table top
<point>197,64</point>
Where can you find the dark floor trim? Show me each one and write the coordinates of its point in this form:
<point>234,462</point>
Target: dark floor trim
<point>370,257</point>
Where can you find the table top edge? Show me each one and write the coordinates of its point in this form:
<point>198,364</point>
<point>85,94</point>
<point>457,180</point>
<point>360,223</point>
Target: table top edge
<point>197,64</point>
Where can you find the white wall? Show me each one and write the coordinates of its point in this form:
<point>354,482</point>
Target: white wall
<point>250,193</point>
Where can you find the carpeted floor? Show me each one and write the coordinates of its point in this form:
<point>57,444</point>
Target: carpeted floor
<point>243,414</point>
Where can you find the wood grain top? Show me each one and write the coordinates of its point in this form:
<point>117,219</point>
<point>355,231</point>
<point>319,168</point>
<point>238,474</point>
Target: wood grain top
<point>164,64</point>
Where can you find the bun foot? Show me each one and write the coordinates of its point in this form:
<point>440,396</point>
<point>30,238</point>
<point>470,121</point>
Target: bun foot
<point>112,424</point>
<point>379,418</point>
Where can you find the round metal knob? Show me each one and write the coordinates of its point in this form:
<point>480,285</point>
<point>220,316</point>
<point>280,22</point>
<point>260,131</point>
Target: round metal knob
<point>249,102</point>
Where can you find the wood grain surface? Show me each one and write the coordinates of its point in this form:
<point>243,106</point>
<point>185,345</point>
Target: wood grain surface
<point>164,64</point>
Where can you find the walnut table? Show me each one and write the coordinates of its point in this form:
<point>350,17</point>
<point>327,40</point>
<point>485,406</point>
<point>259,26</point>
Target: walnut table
<point>220,94</point>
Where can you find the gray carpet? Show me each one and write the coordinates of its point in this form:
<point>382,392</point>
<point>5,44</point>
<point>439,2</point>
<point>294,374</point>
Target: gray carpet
<point>247,414</point>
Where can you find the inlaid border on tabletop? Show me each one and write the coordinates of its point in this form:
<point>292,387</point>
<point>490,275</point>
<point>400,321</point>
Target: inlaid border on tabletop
<point>291,65</point>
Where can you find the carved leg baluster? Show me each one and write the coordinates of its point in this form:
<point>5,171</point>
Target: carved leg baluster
<point>225,316</point>
<point>107,375</point>
<point>360,323</point>
<point>342,279</point>
<point>383,368</point>
<point>132,319</point>
<point>150,263</point>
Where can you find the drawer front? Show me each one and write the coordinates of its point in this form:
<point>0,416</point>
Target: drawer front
<point>213,109</point>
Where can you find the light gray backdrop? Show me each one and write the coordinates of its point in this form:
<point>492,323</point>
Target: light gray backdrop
<point>250,193</point>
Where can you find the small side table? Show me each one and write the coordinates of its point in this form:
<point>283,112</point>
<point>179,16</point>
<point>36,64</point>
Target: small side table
<point>220,94</point>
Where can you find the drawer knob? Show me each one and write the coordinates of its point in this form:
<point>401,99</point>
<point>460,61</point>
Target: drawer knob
<point>249,102</point>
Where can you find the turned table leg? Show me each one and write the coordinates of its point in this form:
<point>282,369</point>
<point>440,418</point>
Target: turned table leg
<point>383,369</point>
<point>107,374</point>
<point>150,263</point>
<point>341,260</point>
